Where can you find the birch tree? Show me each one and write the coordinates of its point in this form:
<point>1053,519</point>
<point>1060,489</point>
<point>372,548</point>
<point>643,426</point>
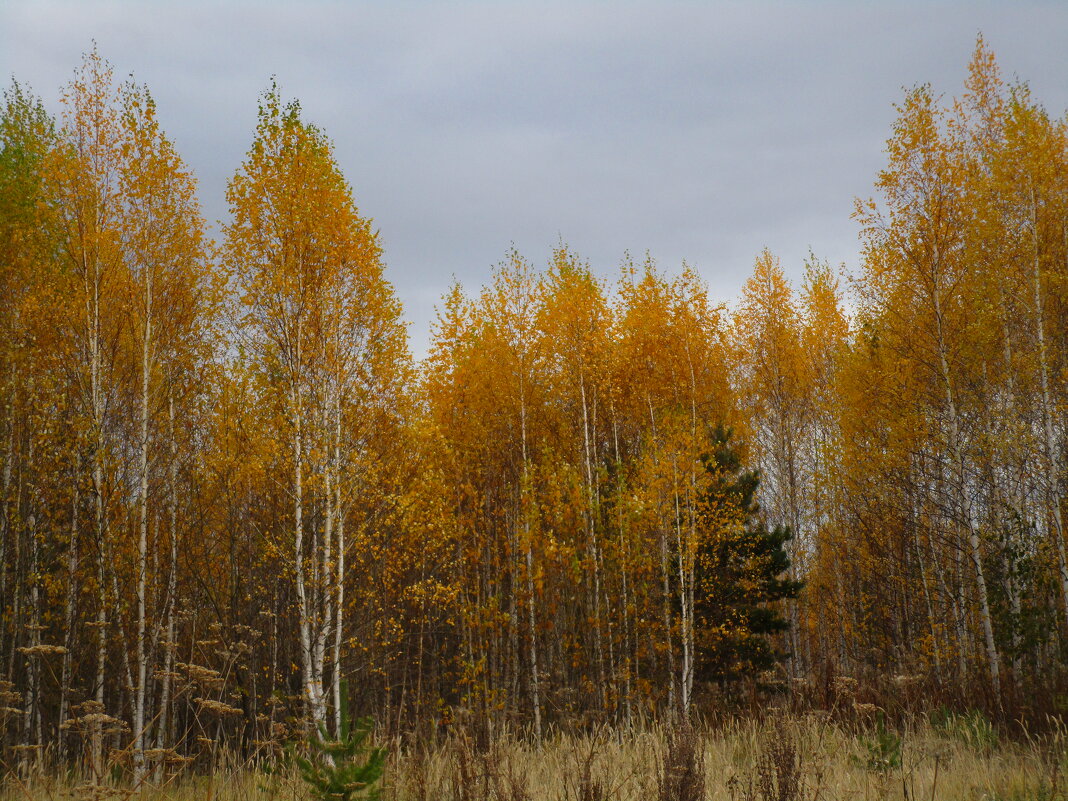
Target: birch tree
<point>322,326</point>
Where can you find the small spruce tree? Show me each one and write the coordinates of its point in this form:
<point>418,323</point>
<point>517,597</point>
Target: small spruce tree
<point>345,768</point>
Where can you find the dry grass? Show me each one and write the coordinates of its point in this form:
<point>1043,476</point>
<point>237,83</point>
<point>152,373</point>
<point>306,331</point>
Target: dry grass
<point>781,759</point>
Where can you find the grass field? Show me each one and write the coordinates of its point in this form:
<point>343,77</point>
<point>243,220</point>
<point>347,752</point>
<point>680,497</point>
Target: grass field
<point>779,759</point>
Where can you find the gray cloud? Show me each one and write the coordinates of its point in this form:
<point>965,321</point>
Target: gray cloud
<point>694,131</point>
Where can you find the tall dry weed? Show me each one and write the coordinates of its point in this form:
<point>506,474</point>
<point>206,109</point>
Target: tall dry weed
<point>682,767</point>
<point>782,758</point>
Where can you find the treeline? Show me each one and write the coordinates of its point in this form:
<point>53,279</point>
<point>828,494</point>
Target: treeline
<point>232,503</point>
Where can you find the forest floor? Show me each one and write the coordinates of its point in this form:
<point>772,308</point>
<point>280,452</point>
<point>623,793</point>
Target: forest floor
<point>805,758</point>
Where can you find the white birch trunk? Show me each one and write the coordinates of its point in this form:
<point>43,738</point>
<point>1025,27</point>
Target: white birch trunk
<point>92,281</point>
<point>325,586</point>
<point>965,508</point>
<point>339,585</point>
<point>685,607</point>
<point>313,690</point>
<point>625,595</point>
<point>591,533</point>
<point>665,573</point>
<point>69,612</point>
<point>33,733</point>
<point>1049,442</point>
<point>163,732</point>
<point>535,687</point>
<point>5,512</point>
<point>142,544</point>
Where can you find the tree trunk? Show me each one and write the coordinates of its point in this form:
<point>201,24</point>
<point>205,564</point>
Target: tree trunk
<point>69,613</point>
<point>535,687</point>
<point>1049,442</point>
<point>142,545</point>
<point>339,585</point>
<point>97,407</point>
<point>163,732</point>
<point>965,509</point>
<point>591,534</point>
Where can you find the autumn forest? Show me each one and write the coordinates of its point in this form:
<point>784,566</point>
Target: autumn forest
<point>234,506</point>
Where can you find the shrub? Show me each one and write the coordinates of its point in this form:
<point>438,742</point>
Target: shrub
<point>682,770</point>
<point>346,768</point>
<point>884,748</point>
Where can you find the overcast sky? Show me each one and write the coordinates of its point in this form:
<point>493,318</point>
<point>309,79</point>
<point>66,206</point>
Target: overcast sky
<point>696,131</point>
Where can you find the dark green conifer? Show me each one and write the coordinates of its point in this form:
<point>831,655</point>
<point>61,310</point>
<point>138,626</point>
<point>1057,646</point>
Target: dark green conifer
<point>741,572</point>
<point>345,768</point>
